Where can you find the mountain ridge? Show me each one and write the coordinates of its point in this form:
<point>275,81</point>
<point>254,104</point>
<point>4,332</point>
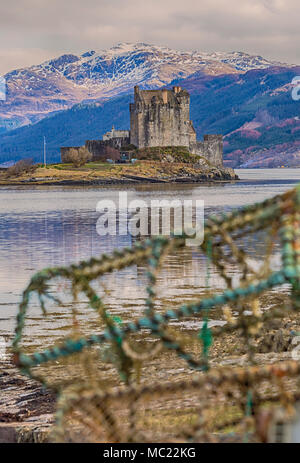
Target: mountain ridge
<point>60,83</point>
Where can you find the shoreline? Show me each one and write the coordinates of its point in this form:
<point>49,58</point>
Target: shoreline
<point>129,180</point>
<point>27,410</point>
<point>115,183</point>
<point>143,172</point>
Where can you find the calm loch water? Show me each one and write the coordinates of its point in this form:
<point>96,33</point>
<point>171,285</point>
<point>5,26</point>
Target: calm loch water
<point>54,226</point>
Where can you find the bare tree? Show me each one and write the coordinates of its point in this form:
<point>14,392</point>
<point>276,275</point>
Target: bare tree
<point>21,167</point>
<point>79,157</point>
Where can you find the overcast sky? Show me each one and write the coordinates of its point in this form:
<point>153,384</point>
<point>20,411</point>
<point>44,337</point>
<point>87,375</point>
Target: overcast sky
<point>32,31</point>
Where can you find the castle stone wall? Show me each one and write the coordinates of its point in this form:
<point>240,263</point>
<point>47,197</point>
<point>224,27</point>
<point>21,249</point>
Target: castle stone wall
<point>161,118</point>
<point>211,148</point>
<point>100,149</point>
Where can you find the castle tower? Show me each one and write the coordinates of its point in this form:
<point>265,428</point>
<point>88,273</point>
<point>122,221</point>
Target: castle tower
<point>161,118</point>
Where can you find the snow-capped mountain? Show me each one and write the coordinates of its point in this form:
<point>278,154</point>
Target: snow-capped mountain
<point>58,84</point>
<point>254,110</point>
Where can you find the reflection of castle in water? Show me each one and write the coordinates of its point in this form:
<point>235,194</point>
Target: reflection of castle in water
<point>61,238</point>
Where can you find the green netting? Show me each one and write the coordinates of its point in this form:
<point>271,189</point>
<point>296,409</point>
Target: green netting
<point>201,407</point>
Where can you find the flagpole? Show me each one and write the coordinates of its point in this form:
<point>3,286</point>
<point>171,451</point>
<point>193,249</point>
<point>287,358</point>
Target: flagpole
<point>45,163</point>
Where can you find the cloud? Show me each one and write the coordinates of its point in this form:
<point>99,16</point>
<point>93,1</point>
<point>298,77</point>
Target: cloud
<point>13,58</point>
<point>35,30</point>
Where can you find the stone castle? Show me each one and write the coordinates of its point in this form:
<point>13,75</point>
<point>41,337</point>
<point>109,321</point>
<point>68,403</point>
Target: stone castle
<point>157,118</point>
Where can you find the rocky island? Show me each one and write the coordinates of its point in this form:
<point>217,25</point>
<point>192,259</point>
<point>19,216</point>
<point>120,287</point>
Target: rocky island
<point>152,165</point>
